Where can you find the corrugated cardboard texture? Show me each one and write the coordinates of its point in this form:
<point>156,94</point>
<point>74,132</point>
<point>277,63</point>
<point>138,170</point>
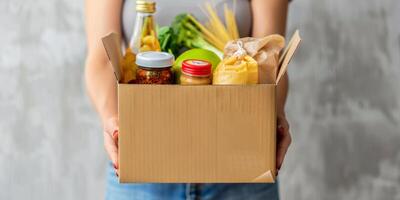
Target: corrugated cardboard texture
<point>173,133</point>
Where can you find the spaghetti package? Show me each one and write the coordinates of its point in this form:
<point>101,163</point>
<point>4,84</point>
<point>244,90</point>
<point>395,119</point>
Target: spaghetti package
<point>265,51</point>
<point>238,68</point>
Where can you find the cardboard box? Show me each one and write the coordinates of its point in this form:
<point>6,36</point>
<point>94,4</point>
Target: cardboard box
<point>196,134</point>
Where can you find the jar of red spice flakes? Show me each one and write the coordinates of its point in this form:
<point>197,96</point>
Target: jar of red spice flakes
<point>154,68</point>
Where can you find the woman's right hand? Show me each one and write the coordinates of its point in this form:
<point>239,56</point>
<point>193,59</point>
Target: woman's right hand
<point>110,132</point>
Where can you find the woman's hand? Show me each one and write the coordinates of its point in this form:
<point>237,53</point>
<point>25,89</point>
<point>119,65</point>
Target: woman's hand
<point>101,18</point>
<point>283,140</point>
<point>111,140</point>
<point>269,17</point>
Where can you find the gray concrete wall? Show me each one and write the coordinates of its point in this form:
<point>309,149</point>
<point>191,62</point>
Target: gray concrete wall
<point>343,106</point>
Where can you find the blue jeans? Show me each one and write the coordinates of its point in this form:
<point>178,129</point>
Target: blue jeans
<point>177,191</point>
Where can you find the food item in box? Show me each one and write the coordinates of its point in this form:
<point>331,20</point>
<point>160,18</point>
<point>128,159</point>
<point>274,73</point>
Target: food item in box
<point>149,41</point>
<point>154,75</point>
<point>238,68</point>
<point>129,67</point>
<point>199,54</point>
<point>154,68</point>
<point>196,72</point>
<point>167,39</point>
<point>187,34</point>
<point>264,50</point>
<point>144,35</point>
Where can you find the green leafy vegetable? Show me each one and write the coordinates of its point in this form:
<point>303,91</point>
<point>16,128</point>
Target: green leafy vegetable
<point>189,35</point>
<point>167,40</point>
<point>183,34</point>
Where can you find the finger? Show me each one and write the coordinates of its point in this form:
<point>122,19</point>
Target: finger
<point>116,170</point>
<point>283,125</point>
<point>283,145</point>
<point>111,126</point>
<point>282,148</point>
<point>115,137</point>
<point>111,149</point>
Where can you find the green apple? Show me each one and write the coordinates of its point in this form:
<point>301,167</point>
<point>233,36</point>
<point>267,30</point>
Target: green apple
<point>200,54</point>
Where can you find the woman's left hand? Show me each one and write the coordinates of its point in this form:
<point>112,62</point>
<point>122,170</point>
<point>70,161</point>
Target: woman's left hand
<point>283,140</point>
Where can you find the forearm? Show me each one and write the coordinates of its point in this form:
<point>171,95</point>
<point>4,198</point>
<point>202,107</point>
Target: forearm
<point>102,17</point>
<point>101,88</point>
<point>269,17</point>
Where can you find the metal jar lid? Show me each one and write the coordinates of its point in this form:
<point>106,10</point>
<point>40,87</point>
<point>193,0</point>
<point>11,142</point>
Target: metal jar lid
<point>145,6</point>
<point>154,59</point>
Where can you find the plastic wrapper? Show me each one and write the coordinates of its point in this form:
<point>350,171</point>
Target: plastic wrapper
<point>236,69</point>
<point>265,51</point>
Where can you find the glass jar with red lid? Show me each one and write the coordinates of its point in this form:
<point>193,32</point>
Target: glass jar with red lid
<point>196,72</point>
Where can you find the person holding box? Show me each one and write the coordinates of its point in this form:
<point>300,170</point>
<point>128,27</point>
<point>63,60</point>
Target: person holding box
<point>256,18</point>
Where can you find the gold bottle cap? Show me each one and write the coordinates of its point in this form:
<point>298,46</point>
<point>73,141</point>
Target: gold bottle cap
<point>145,6</point>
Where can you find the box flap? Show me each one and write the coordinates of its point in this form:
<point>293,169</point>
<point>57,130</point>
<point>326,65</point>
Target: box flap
<point>288,54</point>
<point>112,44</point>
<point>266,177</point>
